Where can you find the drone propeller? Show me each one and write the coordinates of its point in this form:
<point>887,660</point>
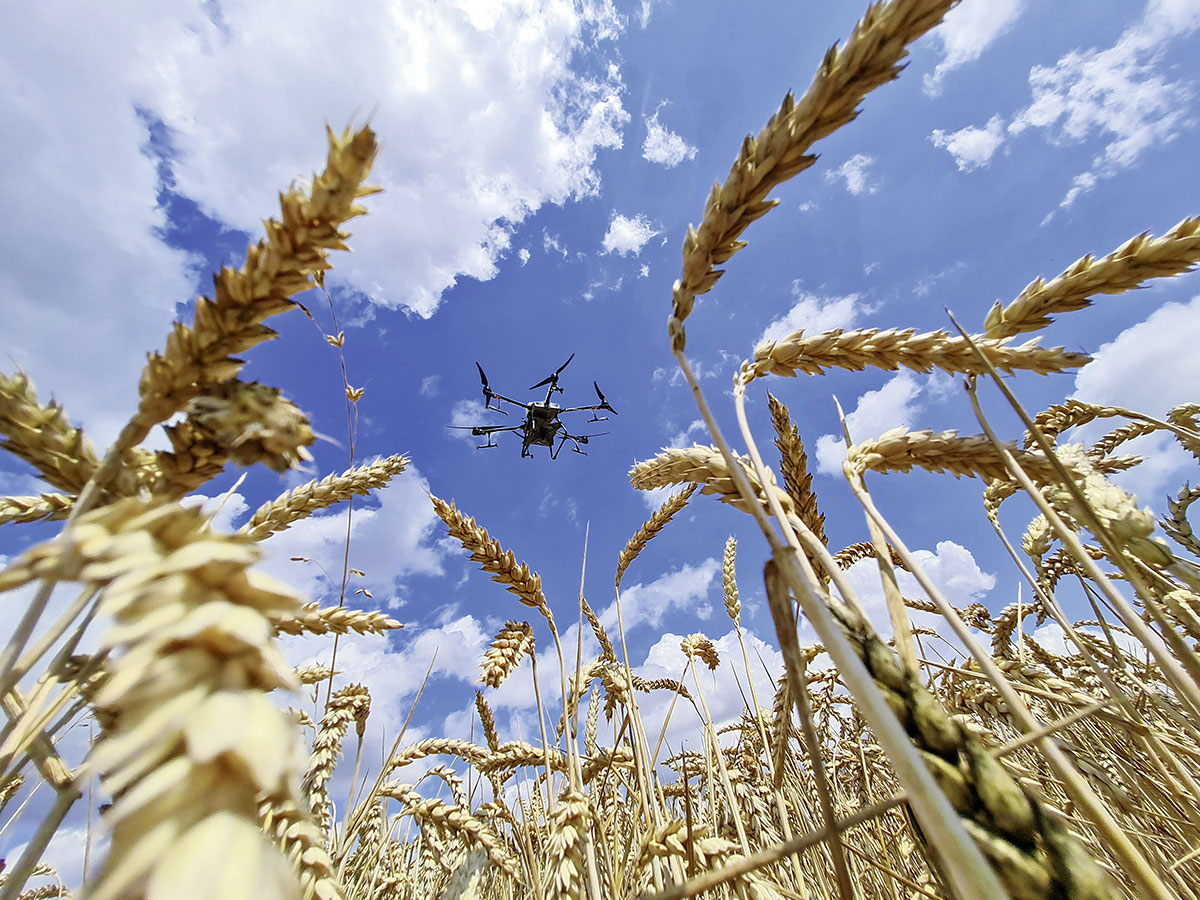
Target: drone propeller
<point>483,379</point>
<point>603,402</point>
<point>553,379</point>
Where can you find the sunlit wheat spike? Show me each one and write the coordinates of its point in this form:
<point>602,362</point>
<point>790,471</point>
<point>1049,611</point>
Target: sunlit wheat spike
<point>35,509</point>
<point>704,466</point>
<point>733,606</point>
<point>793,463</point>
<point>1118,436</point>
<point>42,436</point>
<point>698,646</point>
<point>568,825</point>
<point>283,263</point>
<point>508,648</point>
<point>191,737</point>
<point>899,450</point>
<point>309,619</point>
<point>492,558</point>
<point>652,526</point>
<point>893,349</point>
<point>1056,419</point>
<point>315,673</point>
<point>242,422</point>
<point>299,503</point>
<point>486,720</point>
<point>1185,416</point>
<point>1176,523</point>
<point>1134,262</point>
<point>304,846</point>
<point>456,820</point>
<point>606,646</point>
<point>660,684</point>
<point>438,747</point>
<point>349,704</point>
<point>848,556</point>
<point>870,57</point>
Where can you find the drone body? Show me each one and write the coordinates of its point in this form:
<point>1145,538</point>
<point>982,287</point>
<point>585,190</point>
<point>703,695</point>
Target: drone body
<point>541,426</point>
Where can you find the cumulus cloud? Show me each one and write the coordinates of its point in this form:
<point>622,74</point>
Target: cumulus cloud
<point>683,588</point>
<point>523,255</point>
<point>814,314</point>
<point>950,566</point>
<point>854,173</point>
<point>244,109</point>
<point>1117,377</point>
<point>968,30</point>
<point>971,147</point>
<point>662,145</point>
<point>893,405</point>
<point>626,235</point>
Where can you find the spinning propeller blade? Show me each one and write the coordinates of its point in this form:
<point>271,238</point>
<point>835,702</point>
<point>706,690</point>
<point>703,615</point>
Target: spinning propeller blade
<point>553,379</point>
<point>482,377</point>
<point>603,402</point>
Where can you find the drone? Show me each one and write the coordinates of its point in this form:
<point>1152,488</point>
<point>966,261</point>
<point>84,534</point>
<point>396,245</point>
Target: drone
<point>541,426</point>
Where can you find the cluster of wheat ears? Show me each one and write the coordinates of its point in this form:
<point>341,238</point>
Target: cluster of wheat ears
<point>1014,773</point>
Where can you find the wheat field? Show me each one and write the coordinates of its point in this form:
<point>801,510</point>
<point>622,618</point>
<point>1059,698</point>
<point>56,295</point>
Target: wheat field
<point>876,770</point>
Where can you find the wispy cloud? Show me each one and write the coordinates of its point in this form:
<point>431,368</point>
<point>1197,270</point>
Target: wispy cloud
<point>628,235</point>
<point>1119,97</point>
<point>855,174</point>
<point>662,145</point>
<point>972,147</point>
<point>968,30</point>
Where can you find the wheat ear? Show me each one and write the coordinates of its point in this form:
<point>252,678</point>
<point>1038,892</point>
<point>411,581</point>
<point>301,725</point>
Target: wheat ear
<point>652,526</point>
<point>309,619</point>
<point>1126,268</point>
<point>454,819</point>
<point>492,558</point>
<point>793,463</point>
<point>35,509</point>
<point>1176,524</point>
<point>733,605</point>
<point>508,648</point>
<point>870,57</point>
<point>278,514</point>
<point>892,349</point>
<point>899,449</point>
<point>349,704</point>
<point>193,739</point>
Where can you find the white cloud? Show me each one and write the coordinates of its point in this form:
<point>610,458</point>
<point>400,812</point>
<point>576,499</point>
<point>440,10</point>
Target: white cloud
<point>814,314</point>
<point>893,405</point>
<point>682,589</point>
<point>966,32</point>
<point>662,145</point>
<point>928,282</point>
<point>246,107</point>
<point>952,569</point>
<point>688,436</point>
<point>466,414</point>
<point>971,147</point>
<point>1116,97</point>
<point>430,386</point>
<point>1117,376</point>
<point>523,255</point>
<point>854,172</point>
<point>625,235</point>
<point>552,242</point>
<point>644,272</point>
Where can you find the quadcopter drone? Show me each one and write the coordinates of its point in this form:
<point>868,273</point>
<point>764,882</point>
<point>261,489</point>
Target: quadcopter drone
<point>541,425</point>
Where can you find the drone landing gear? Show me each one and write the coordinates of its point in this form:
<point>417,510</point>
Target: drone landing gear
<point>488,445</point>
<point>596,418</point>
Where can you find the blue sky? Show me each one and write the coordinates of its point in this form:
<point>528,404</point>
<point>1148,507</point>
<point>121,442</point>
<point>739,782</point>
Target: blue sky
<point>541,162</point>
